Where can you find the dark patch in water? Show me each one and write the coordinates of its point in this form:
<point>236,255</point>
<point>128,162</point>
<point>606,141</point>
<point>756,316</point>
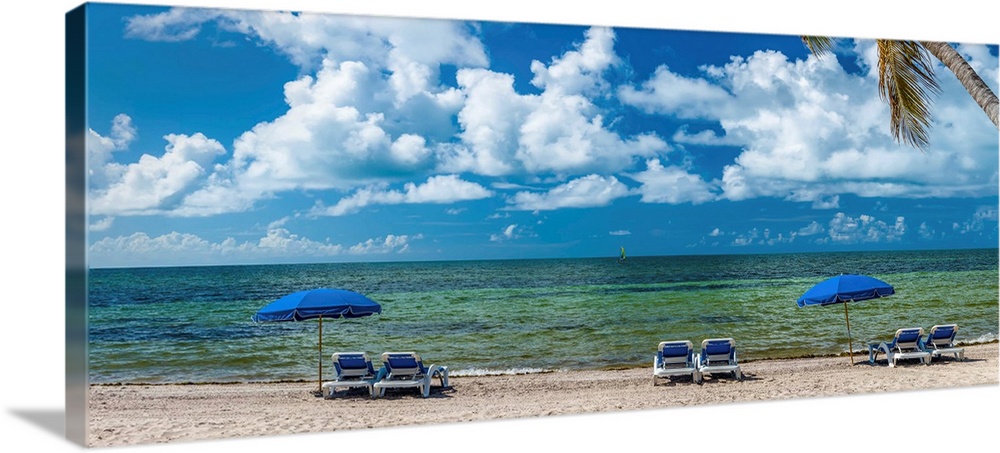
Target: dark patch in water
<point>722,319</point>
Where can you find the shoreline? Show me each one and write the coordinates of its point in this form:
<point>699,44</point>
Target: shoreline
<point>134,414</point>
<point>858,357</point>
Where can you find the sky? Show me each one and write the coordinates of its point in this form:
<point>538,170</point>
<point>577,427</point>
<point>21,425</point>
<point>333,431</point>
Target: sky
<point>237,136</point>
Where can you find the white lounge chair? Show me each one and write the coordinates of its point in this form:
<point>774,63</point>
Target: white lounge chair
<point>905,344</point>
<point>405,369</point>
<point>718,355</point>
<point>675,358</point>
<point>351,369</point>
<point>941,340</point>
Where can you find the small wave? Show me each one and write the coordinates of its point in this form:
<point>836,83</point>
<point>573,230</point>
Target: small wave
<point>490,372</point>
<point>982,339</point>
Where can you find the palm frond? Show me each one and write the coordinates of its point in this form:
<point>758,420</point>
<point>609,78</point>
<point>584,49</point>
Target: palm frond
<point>906,82</point>
<point>818,45</point>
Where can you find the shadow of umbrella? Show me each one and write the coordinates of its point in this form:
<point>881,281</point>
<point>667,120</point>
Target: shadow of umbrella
<point>318,304</point>
<point>843,289</point>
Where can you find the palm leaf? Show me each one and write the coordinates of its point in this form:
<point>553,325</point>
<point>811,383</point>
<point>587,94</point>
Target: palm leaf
<point>906,81</point>
<point>818,45</point>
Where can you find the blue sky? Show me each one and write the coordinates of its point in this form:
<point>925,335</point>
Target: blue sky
<point>237,136</point>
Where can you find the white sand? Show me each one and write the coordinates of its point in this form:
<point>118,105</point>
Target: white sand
<point>142,414</point>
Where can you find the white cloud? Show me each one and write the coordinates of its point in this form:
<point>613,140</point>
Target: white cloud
<point>374,107</point>
<point>100,150</point>
<point>716,233</point>
<point>566,135</point>
<point>705,137</point>
<point>672,94</point>
<point>389,244</point>
<point>811,131</point>
<point>672,185</point>
<point>844,229</point>
<point>102,225</point>
<point>560,131</point>
<point>395,43</point>
<point>374,111</point>
<point>746,239</point>
<point>371,110</point>
<point>832,202</point>
<point>982,216</point>
<point>579,71</point>
<point>812,229</point>
<point>278,244</point>
<point>440,189</point>
<point>762,238</point>
<point>510,232</point>
<point>177,24</point>
<point>620,233</point>
<point>157,184</point>
<point>584,192</point>
<point>927,232</point>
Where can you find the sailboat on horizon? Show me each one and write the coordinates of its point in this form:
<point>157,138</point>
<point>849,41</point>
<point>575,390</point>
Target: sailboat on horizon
<point>621,259</point>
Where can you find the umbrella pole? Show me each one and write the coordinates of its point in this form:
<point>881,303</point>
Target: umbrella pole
<point>319,384</point>
<point>850,346</point>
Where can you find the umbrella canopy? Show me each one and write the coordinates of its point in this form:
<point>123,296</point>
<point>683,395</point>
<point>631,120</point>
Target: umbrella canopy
<point>843,289</point>
<point>318,304</point>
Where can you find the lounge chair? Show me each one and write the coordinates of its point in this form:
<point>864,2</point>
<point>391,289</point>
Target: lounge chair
<point>405,369</point>
<point>941,340</point>
<point>718,355</point>
<point>675,358</point>
<point>905,344</point>
<point>352,369</point>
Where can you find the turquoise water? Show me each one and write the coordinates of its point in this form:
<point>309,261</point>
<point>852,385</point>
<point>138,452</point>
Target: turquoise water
<point>192,324</point>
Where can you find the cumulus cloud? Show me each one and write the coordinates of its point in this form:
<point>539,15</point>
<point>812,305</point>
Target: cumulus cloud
<point>832,202</point>
<point>100,149</point>
<point>672,94</point>
<point>673,185</point>
<point>844,229</point>
<point>579,71</point>
<point>509,232</point>
<point>584,192</point>
<point>619,233</point>
<point>306,37</point>
<point>560,131</point>
<point>440,189</point>
<point>278,244</point>
<point>102,224</point>
<point>983,216</point>
<point>369,108</point>
<point>763,237</point>
<point>389,244</point>
<point>177,24</point>
<point>375,111</point>
<point>156,185</point>
<point>927,232</point>
<point>812,229</point>
<point>810,130</point>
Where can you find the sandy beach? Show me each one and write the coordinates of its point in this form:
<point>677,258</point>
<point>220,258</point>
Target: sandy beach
<point>145,414</point>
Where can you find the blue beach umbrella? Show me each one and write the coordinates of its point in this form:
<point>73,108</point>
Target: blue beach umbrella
<point>843,289</point>
<point>318,304</point>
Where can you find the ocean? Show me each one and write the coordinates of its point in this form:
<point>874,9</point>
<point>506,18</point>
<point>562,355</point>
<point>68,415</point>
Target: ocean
<point>192,324</point>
